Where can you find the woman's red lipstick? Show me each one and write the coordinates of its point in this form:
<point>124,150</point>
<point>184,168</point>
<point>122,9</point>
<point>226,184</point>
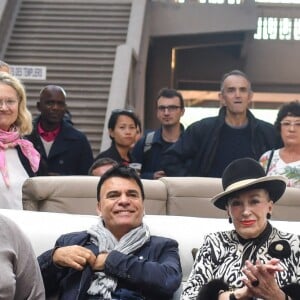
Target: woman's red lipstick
<point>248,222</point>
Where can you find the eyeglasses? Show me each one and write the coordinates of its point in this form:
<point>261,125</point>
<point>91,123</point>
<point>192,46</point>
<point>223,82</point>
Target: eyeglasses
<point>52,103</point>
<point>170,108</point>
<point>8,102</point>
<point>295,124</point>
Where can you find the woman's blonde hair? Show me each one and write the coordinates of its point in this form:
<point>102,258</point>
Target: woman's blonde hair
<point>24,119</point>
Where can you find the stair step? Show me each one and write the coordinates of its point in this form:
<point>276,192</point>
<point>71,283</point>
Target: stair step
<point>70,10</point>
<point>112,18</point>
<point>28,54</point>
<point>68,84</point>
<point>59,35</point>
<point>109,4</point>
<point>74,30</point>
<point>95,42</point>
<point>95,24</point>
<point>74,13</point>
<point>64,48</point>
<point>75,92</point>
<point>76,41</point>
<point>40,61</point>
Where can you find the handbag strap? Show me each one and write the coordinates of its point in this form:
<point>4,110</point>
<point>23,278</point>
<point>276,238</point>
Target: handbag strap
<point>270,160</point>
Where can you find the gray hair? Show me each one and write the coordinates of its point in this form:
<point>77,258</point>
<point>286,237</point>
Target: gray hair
<point>236,73</point>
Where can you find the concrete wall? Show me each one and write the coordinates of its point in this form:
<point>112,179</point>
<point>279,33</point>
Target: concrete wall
<point>8,12</point>
<point>207,45</point>
<point>274,65</point>
<point>193,18</point>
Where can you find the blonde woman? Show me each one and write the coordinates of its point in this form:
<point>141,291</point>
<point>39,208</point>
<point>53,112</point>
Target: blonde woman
<point>18,158</point>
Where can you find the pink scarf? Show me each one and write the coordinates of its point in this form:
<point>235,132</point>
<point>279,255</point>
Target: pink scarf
<point>10,139</point>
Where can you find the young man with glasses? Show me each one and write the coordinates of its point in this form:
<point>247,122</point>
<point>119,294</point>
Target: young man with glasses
<point>64,149</point>
<point>148,150</point>
<point>209,145</point>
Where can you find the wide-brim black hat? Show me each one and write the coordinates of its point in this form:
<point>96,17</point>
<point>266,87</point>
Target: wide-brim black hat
<point>247,173</point>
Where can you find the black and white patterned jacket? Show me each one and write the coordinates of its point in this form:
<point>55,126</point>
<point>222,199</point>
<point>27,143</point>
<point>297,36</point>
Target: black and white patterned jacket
<point>223,254</point>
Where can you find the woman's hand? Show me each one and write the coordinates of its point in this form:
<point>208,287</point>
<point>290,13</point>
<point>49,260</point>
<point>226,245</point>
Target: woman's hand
<point>273,266</point>
<point>261,280</point>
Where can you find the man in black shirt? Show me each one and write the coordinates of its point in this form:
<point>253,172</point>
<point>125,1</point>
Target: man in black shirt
<point>209,145</point>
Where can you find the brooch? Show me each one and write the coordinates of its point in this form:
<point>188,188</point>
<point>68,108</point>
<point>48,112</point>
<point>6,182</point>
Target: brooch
<point>280,249</point>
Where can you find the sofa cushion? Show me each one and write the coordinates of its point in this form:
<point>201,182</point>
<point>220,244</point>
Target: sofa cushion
<point>77,194</point>
<point>190,196</point>
<point>288,206</point>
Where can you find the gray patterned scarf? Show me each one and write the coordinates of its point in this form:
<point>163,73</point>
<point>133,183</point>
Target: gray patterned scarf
<point>103,285</point>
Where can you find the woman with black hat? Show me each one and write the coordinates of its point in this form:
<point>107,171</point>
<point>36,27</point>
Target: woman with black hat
<point>255,260</point>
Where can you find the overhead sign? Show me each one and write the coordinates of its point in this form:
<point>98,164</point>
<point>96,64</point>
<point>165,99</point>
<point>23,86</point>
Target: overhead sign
<point>29,72</point>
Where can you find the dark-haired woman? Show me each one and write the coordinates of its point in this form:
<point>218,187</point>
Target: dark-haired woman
<point>286,160</point>
<point>254,260</point>
<point>122,126</point>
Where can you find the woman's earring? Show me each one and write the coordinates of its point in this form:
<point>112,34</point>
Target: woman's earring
<point>268,216</point>
<point>230,220</point>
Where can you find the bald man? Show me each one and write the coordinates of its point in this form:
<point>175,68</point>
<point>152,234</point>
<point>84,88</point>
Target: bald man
<point>64,149</point>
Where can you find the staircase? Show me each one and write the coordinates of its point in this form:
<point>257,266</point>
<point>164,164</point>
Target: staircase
<point>76,41</point>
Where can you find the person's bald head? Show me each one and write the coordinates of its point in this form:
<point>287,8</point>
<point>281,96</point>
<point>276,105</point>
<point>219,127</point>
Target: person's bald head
<point>52,105</point>
<point>52,90</point>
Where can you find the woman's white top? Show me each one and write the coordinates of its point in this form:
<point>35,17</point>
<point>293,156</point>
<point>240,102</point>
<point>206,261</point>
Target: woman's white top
<point>11,197</point>
<point>278,167</point>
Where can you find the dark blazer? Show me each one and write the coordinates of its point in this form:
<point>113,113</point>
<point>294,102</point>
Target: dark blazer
<point>152,272</point>
<point>70,154</point>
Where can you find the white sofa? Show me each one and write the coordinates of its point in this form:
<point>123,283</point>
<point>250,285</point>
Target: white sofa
<point>43,228</point>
